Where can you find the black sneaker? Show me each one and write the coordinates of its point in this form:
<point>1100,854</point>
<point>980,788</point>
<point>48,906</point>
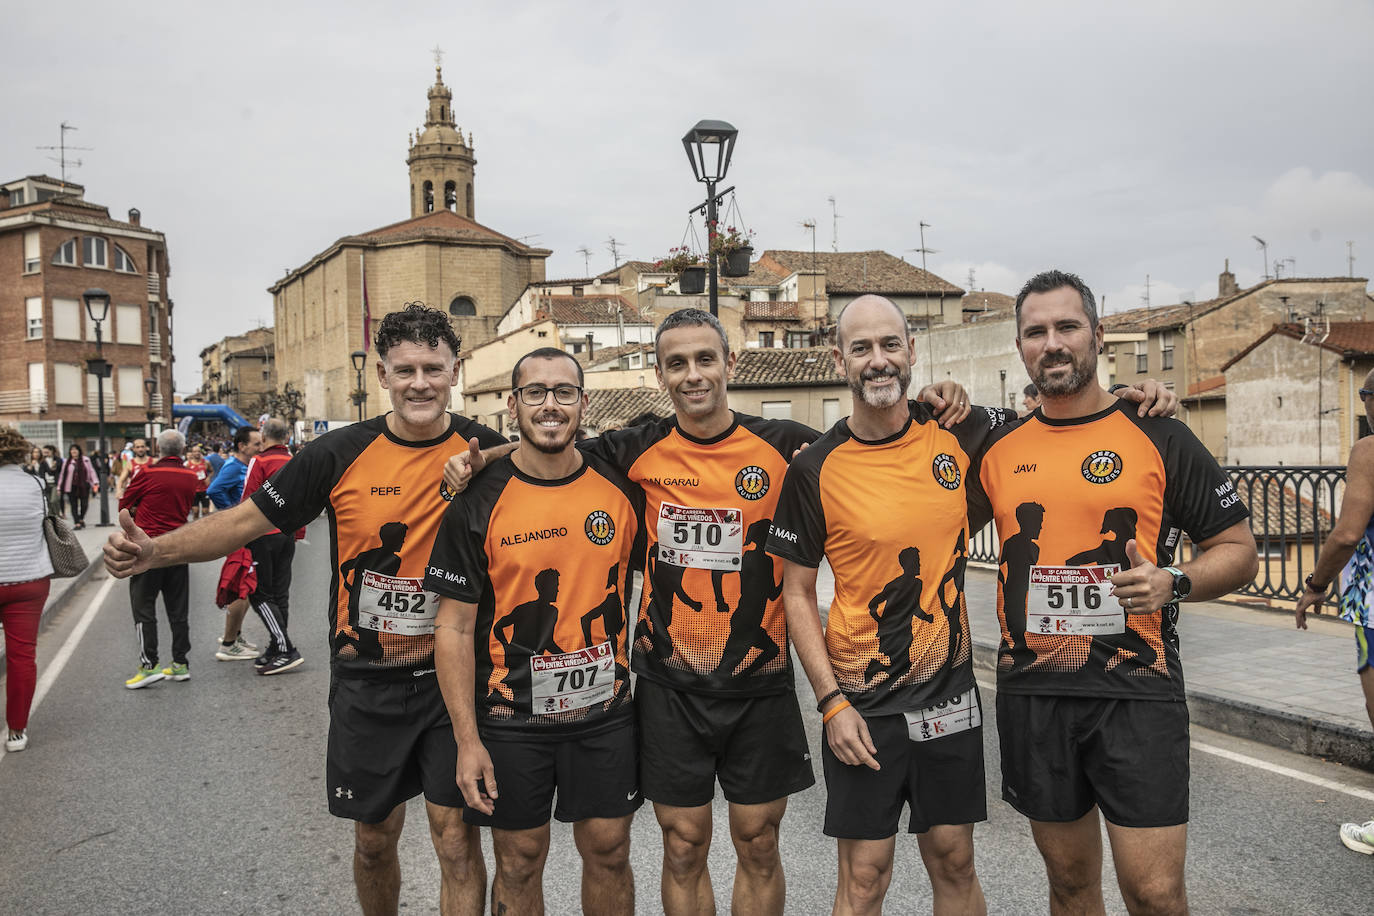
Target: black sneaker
<point>265,657</point>
<point>282,661</point>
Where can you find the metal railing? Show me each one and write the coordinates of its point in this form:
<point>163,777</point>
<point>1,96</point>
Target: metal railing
<point>1292,510</point>
<point>154,285</point>
<point>155,344</point>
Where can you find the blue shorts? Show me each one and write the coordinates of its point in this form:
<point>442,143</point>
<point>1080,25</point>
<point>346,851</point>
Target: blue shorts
<point>1363,637</point>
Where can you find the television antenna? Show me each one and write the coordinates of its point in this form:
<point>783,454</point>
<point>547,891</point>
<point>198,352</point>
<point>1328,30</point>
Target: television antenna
<point>923,250</point>
<point>62,147</point>
<point>1264,247</point>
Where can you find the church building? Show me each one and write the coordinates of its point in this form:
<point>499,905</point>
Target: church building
<point>440,256</point>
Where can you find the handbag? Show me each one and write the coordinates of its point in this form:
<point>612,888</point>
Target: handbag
<point>67,555</point>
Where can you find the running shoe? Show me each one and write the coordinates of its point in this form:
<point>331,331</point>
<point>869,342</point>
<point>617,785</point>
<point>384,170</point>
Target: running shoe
<point>143,677</point>
<point>177,672</point>
<point>1359,837</point>
<point>16,741</point>
<point>282,661</point>
<point>240,641</point>
<point>238,651</point>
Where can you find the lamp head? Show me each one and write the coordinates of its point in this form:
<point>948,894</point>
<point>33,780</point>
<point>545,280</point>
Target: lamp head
<point>359,358</point>
<point>709,146</point>
<point>97,303</point>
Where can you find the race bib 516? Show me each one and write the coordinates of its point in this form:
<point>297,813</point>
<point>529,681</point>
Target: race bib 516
<point>1073,600</point>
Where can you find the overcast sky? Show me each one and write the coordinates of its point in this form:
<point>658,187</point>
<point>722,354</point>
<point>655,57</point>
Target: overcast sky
<point>1116,142</point>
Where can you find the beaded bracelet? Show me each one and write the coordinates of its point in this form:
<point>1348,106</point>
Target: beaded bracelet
<point>820,704</point>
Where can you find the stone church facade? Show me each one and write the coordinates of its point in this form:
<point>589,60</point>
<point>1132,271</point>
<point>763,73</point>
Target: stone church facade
<point>440,256</point>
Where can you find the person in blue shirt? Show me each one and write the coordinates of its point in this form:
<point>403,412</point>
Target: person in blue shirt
<point>226,491</point>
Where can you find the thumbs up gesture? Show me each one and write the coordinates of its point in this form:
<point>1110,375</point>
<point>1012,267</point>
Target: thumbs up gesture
<point>1143,588</point>
<point>129,550</point>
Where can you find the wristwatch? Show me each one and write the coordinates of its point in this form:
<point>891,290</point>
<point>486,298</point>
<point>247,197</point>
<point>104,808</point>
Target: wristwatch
<point>1314,587</point>
<point>1183,586</point>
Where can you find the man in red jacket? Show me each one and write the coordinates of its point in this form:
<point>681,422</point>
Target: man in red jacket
<point>272,557</point>
<point>160,496</point>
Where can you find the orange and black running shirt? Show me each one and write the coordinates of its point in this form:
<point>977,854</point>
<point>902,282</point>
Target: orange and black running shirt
<point>548,564</point>
<point>385,498</point>
<point>710,617</point>
<point>1066,496</point>
<point>892,519</point>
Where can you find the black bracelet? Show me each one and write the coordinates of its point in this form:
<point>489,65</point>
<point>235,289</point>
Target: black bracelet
<point>820,704</point>
<point>1117,387</point>
<point>1312,586</point>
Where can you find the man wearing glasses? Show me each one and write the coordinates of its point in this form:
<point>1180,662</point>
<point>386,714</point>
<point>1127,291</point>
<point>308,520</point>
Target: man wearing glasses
<point>1349,551</point>
<point>537,699</point>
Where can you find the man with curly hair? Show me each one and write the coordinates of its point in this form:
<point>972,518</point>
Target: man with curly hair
<point>390,737</point>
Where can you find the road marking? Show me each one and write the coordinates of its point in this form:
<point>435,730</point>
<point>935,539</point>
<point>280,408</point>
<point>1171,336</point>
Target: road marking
<point>64,654</point>
<point>1259,764</point>
<point>1284,771</point>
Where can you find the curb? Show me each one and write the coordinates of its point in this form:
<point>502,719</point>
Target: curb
<point>1275,727</point>
<point>69,586</point>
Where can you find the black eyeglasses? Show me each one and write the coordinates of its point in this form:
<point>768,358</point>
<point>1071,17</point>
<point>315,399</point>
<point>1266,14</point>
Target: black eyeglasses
<point>1365,393</point>
<point>535,395</point>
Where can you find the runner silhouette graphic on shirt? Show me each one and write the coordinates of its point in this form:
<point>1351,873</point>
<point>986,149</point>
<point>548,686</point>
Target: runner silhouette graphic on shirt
<point>531,626</point>
<point>1019,554</point>
<point>665,579</point>
<point>384,560</point>
<point>901,599</point>
<point>1118,527</point>
<point>746,626</point>
<point>611,613</point>
<point>953,612</point>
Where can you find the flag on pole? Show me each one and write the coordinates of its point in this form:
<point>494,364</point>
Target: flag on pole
<point>367,312</point>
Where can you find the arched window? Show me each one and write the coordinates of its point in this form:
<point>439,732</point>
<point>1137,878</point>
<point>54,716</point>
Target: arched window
<point>65,253</point>
<point>462,306</point>
<point>451,196</point>
<point>469,201</point>
<point>122,262</point>
<point>429,196</point>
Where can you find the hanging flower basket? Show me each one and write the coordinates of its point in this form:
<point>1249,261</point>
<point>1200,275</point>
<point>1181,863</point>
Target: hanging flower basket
<point>736,263</point>
<point>692,281</point>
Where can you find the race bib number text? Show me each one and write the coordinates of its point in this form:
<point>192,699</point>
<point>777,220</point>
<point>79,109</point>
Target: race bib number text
<point>944,719</point>
<point>573,680</point>
<point>700,538</point>
<point>1073,600</point>
<point>391,604</point>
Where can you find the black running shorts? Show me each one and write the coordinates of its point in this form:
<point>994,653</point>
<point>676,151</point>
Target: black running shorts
<point>756,746</point>
<point>941,779</point>
<point>1062,755</point>
<point>388,742</point>
<point>595,776</point>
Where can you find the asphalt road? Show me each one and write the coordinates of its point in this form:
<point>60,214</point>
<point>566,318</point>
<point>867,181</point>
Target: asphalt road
<point>207,797</point>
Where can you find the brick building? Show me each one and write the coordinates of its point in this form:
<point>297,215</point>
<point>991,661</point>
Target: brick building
<point>54,245</point>
<point>440,256</point>
<point>239,371</point>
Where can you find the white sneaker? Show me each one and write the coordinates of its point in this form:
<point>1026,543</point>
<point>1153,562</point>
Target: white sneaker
<point>240,641</point>
<point>239,651</point>
<point>16,741</point>
<point>1359,837</point>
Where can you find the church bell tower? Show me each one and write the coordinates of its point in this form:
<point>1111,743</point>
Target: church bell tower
<point>441,161</point>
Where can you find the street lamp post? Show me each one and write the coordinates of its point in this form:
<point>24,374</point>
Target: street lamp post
<point>148,385</point>
<point>359,358</point>
<point>709,146</point>
<point>98,308</point>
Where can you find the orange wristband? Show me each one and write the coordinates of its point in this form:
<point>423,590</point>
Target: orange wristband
<point>834,710</point>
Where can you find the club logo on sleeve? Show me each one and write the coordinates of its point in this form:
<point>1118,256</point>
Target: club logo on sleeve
<point>445,493</point>
<point>946,471</point>
<point>1102,466</point>
<point>752,482</point>
<point>599,527</point>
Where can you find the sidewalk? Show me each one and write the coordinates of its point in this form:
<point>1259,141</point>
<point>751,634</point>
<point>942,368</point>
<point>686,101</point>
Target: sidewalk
<point>1249,672</point>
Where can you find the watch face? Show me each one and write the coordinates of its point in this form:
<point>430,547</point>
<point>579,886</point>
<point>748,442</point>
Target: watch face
<point>1183,585</point>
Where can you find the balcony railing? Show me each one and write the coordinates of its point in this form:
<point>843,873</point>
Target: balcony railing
<point>155,345</point>
<point>1292,511</point>
<point>20,400</point>
<point>154,286</point>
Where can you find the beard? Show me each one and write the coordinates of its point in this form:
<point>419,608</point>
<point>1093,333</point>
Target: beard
<point>1082,374</point>
<point>884,398</point>
<point>535,436</point>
